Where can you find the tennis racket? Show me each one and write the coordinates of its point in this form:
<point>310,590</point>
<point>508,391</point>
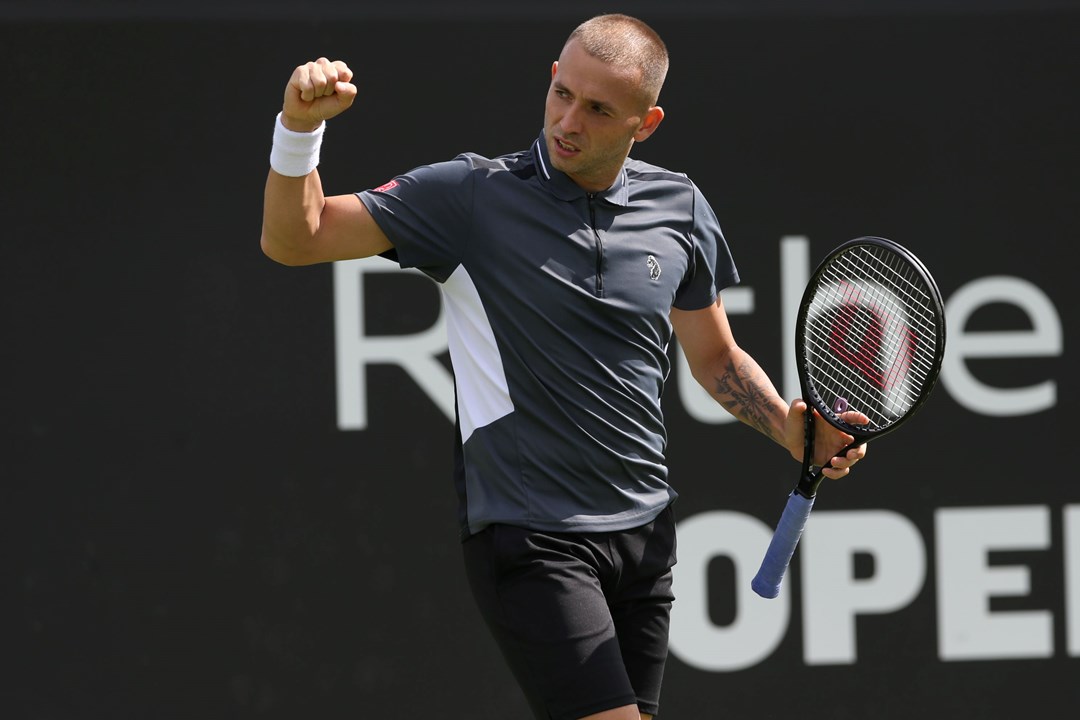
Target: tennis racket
<point>869,340</point>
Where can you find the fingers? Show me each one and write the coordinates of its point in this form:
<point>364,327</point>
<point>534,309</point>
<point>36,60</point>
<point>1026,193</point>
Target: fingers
<point>854,417</point>
<point>841,465</point>
<point>834,473</point>
<point>320,78</point>
<point>317,91</point>
<point>831,451</point>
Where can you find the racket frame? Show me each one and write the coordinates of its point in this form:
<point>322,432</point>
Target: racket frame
<point>811,474</point>
<point>801,499</point>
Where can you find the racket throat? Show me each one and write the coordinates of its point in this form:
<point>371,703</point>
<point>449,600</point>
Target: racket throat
<point>811,474</point>
<point>808,484</point>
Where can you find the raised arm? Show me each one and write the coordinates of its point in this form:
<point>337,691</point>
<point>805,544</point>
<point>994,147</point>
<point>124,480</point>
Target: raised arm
<point>735,380</point>
<point>302,226</point>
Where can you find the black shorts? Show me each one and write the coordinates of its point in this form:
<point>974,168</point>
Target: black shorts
<point>581,618</point>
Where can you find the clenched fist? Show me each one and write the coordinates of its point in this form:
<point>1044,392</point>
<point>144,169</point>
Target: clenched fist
<point>317,91</point>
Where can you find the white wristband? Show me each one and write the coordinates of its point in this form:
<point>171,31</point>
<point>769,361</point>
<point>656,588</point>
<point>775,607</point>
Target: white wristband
<point>295,154</point>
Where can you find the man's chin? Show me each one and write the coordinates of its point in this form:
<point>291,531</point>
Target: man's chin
<point>559,157</point>
<point>561,165</point>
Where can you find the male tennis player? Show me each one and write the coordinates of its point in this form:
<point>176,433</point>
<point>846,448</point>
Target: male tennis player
<point>565,268</point>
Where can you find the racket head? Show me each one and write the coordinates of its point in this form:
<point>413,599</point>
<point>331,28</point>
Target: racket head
<point>870,336</point>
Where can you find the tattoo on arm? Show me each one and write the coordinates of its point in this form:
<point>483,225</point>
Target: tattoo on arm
<point>739,391</point>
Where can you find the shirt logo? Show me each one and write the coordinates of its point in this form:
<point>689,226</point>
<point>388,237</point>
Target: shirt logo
<point>654,268</point>
<point>387,186</point>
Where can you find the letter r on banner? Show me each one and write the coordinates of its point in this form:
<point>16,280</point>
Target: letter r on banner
<point>417,354</point>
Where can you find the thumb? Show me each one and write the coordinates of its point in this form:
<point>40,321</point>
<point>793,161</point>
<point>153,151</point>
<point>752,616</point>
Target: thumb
<point>345,92</point>
<point>796,410</point>
<point>341,100</point>
<point>795,428</point>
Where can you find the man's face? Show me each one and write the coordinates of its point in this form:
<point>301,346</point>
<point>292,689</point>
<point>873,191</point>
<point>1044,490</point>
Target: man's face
<point>592,116</point>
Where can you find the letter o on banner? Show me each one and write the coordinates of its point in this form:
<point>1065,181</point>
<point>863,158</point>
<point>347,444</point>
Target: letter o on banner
<point>759,625</point>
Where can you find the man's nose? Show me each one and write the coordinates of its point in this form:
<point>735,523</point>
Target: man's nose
<point>571,120</point>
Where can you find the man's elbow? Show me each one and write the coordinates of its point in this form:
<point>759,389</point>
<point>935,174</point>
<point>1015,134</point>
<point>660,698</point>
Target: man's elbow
<point>282,253</point>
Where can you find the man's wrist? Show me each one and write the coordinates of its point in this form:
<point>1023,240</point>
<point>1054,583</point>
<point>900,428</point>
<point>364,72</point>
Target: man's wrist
<point>295,153</point>
<point>300,126</point>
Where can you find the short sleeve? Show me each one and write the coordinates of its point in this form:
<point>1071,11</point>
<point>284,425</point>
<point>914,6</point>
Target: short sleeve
<point>426,215</point>
<point>712,267</point>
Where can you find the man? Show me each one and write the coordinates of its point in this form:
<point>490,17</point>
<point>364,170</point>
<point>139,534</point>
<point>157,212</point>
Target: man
<point>565,269</point>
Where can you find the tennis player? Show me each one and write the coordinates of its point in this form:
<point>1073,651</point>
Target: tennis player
<point>565,270</point>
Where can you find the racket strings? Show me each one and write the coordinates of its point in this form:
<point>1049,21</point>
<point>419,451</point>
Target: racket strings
<point>870,336</point>
<point>901,294</point>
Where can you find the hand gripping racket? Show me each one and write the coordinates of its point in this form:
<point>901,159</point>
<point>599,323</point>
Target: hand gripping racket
<point>869,340</point>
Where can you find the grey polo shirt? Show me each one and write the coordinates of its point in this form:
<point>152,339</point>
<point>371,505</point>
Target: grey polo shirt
<point>557,304</point>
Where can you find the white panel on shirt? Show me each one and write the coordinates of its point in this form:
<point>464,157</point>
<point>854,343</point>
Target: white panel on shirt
<point>483,395</point>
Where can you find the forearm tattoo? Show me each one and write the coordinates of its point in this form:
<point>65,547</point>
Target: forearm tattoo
<point>739,391</point>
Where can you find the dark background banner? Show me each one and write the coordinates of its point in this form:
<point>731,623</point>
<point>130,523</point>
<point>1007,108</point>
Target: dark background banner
<point>191,529</point>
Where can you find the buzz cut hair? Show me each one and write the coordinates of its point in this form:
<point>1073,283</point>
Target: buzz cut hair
<point>628,43</point>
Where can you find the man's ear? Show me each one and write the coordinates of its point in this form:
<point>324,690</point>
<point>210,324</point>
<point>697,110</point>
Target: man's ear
<point>554,68</point>
<point>649,123</point>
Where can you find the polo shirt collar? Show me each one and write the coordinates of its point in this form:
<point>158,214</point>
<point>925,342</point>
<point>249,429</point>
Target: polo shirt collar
<point>561,186</point>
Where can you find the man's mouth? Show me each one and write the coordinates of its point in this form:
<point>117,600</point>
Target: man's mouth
<point>565,146</point>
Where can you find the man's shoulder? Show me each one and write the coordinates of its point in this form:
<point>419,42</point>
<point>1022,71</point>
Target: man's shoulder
<point>506,161</point>
<point>647,172</point>
<point>494,171</point>
<point>470,167</point>
<point>659,187</point>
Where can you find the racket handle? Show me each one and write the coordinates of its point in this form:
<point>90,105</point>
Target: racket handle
<point>782,546</point>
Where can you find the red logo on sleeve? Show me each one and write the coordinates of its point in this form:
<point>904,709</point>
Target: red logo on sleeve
<point>387,186</point>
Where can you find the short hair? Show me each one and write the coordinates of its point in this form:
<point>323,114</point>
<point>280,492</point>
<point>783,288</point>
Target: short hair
<point>626,42</point>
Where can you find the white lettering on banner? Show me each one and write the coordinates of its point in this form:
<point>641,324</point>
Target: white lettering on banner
<point>1072,579</point>
<point>417,354</point>
<point>758,628</point>
<point>833,597</point>
<point>794,275</point>
<point>968,630</point>
<point>1043,340</point>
